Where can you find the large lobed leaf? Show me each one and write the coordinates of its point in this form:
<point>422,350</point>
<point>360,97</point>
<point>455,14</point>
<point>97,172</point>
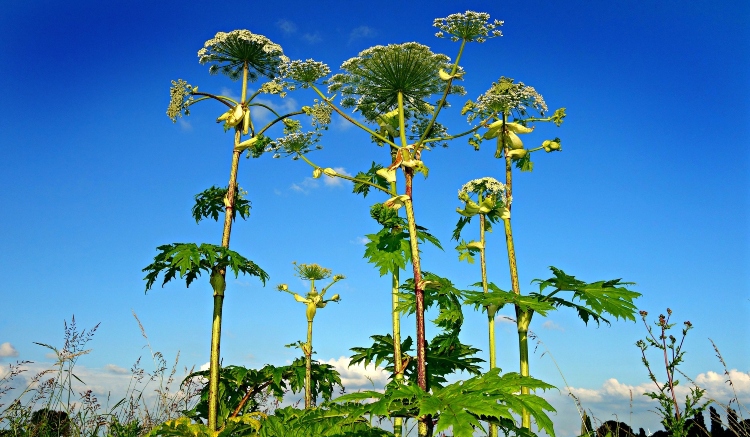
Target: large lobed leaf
<point>597,298</point>
<point>189,260</point>
<point>210,203</point>
<point>462,405</point>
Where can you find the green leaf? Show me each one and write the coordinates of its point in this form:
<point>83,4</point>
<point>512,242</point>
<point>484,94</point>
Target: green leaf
<point>370,176</point>
<point>597,298</point>
<point>525,164</point>
<point>380,351</point>
<point>210,203</point>
<point>189,260</point>
<point>500,298</point>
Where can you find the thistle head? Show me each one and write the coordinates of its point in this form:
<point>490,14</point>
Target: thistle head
<point>227,53</point>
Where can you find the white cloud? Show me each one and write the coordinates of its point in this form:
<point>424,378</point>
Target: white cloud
<point>286,26</point>
<point>312,38</point>
<point>552,326</point>
<point>185,125</point>
<point>359,376</point>
<point>308,184</point>
<point>361,32</point>
<point>718,388</point>
<point>262,115</point>
<point>305,186</point>
<point>331,181</point>
<point>113,368</point>
<point>360,240</point>
<point>7,350</point>
<point>228,92</point>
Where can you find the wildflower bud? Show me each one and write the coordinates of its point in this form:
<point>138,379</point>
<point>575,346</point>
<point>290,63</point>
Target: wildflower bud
<point>246,122</point>
<point>329,172</point>
<point>388,174</point>
<point>246,144</point>
<point>517,153</point>
<point>282,287</point>
<point>336,298</point>
<point>317,172</point>
<point>551,145</point>
<point>643,313</point>
<point>669,311</point>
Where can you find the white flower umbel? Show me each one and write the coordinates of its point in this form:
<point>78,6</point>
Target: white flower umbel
<point>506,96</point>
<point>469,26</point>
<point>228,52</point>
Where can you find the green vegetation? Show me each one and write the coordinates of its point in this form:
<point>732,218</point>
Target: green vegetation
<point>399,93</point>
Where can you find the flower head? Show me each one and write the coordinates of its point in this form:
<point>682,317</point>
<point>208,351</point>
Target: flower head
<point>484,186</point>
<point>181,97</point>
<point>293,143</point>
<point>228,52</point>
<point>312,271</point>
<point>374,79</point>
<point>304,72</point>
<point>506,96</point>
<point>469,26</point>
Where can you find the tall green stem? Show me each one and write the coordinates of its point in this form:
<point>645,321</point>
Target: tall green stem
<point>490,310</point>
<point>215,360</point>
<point>396,319</point>
<point>523,318</point>
<point>308,366</point>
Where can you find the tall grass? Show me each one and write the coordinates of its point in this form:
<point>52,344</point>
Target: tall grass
<point>55,401</point>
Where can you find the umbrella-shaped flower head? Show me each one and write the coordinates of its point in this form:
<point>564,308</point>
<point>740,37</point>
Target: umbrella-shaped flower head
<point>226,53</point>
<point>469,26</point>
<point>374,79</point>
<point>506,96</point>
<point>312,272</point>
<point>492,197</point>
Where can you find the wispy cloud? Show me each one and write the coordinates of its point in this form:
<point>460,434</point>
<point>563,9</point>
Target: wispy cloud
<point>185,125</point>
<point>113,368</point>
<point>552,326</point>
<point>7,350</point>
<point>360,241</point>
<point>286,26</point>
<point>312,38</point>
<point>305,186</point>
<point>229,92</point>
<point>262,115</point>
<point>308,184</point>
<point>361,32</point>
<point>331,181</point>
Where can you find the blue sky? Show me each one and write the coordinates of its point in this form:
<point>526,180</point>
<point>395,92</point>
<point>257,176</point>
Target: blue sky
<point>651,186</point>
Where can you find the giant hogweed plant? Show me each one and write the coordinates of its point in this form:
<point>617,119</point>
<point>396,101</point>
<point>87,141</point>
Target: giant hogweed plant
<point>243,56</point>
<point>490,206</point>
<point>313,300</point>
<point>400,90</point>
<point>505,110</point>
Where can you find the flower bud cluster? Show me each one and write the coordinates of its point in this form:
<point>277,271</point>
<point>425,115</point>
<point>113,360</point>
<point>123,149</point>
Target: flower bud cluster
<point>180,99</point>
